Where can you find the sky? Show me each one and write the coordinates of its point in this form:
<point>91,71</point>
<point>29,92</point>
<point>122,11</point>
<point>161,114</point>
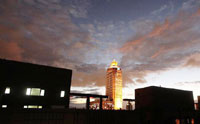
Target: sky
<point>156,42</point>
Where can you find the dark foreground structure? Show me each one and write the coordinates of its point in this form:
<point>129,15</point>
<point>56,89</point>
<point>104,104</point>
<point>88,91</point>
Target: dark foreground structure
<point>36,94</point>
<point>75,116</point>
<point>25,85</point>
<point>162,105</point>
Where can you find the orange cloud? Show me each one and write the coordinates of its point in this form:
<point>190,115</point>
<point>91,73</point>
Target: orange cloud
<point>10,50</point>
<point>165,46</point>
<point>193,61</point>
<point>159,29</point>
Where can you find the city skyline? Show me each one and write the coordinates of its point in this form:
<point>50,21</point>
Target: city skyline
<point>156,42</point>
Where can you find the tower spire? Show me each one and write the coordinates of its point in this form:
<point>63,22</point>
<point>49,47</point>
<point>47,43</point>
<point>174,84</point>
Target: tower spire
<point>114,64</point>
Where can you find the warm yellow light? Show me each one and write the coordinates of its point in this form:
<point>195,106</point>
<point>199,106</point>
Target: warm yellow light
<point>118,104</point>
<point>114,85</point>
<point>114,64</point>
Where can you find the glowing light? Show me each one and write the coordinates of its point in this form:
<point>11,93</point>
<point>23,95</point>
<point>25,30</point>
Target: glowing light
<point>32,106</point>
<point>114,64</point>
<point>118,103</point>
<point>42,93</point>
<point>114,85</point>
<point>35,92</point>
<point>4,106</point>
<point>62,93</point>
<point>7,91</point>
<point>177,121</point>
<point>28,91</point>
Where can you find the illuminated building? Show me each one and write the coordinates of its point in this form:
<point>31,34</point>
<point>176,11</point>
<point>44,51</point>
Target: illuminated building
<point>114,85</point>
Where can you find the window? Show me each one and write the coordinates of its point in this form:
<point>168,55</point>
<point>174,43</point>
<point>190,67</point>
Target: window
<point>62,93</point>
<point>42,93</point>
<point>35,92</point>
<point>28,91</point>
<point>7,90</point>
<point>33,106</point>
<point>40,107</point>
<point>4,106</point>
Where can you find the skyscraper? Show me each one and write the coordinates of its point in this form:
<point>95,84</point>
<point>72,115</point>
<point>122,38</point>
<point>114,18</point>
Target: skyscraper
<point>114,85</point>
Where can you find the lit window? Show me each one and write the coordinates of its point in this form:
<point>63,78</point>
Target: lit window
<point>35,92</point>
<point>7,91</point>
<point>42,93</point>
<point>4,106</point>
<point>32,106</point>
<point>28,91</point>
<point>62,93</point>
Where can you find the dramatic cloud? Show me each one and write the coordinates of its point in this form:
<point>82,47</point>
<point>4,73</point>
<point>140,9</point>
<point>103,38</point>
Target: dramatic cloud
<point>193,61</point>
<point>79,9</point>
<point>66,33</point>
<point>95,78</point>
<point>10,50</point>
<point>165,46</point>
<point>41,32</point>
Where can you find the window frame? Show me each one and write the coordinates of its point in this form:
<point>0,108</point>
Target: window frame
<point>30,92</point>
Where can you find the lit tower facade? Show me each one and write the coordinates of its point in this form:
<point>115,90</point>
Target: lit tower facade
<point>114,85</point>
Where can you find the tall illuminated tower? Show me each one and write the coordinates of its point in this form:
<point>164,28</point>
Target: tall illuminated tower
<point>114,85</point>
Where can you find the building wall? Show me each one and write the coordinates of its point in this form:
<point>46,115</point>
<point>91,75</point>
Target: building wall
<point>157,98</point>
<point>198,104</point>
<point>118,90</point>
<point>19,76</point>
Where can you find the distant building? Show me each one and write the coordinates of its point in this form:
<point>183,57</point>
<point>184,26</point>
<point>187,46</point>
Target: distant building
<point>198,104</point>
<point>25,85</point>
<point>114,85</point>
<point>158,98</point>
<point>129,106</point>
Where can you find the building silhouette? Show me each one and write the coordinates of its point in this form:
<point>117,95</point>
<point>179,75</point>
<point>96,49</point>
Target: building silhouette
<point>114,84</point>
<point>25,85</point>
<point>165,105</point>
<point>166,99</point>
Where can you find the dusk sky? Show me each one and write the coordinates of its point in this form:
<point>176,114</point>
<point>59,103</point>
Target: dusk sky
<point>156,42</point>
